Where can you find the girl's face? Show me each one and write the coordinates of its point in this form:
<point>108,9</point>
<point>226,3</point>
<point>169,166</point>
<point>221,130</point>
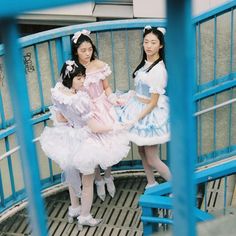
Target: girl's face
<point>85,51</point>
<point>151,45</point>
<point>78,82</point>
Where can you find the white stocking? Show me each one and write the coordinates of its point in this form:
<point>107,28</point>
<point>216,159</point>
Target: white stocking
<point>73,197</point>
<point>154,161</point>
<point>147,168</point>
<point>87,194</point>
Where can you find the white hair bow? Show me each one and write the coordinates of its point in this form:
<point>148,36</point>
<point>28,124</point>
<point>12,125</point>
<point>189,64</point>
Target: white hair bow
<point>77,35</point>
<point>148,27</point>
<point>69,67</point>
<point>163,30</point>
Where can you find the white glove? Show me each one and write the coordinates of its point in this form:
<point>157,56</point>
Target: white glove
<point>112,98</point>
<point>130,123</point>
<point>118,127</point>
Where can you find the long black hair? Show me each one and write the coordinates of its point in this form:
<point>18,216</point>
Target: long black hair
<point>75,45</point>
<point>160,36</point>
<point>69,70</point>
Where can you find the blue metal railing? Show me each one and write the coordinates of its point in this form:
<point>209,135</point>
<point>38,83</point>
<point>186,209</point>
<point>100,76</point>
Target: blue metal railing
<point>43,73</point>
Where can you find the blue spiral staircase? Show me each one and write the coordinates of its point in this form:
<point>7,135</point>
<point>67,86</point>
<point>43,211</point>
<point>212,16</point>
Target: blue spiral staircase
<point>201,62</point>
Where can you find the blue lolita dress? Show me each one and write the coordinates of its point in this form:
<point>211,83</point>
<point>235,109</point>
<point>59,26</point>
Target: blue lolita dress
<point>73,144</point>
<point>154,128</point>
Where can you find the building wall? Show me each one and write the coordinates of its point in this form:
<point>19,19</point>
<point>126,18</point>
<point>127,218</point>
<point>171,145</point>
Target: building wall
<point>154,8</point>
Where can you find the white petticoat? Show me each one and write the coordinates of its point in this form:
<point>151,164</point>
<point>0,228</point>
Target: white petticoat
<point>79,148</point>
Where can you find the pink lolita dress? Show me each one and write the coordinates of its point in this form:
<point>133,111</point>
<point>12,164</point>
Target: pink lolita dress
<point>104,113</point>
<point>103,109</point>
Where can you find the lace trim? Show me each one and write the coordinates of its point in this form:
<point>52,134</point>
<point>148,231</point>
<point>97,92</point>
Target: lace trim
<point>96,76</point>
<point>67,99</point>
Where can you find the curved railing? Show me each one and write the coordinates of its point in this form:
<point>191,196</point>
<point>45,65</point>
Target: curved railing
<point>118,44</point>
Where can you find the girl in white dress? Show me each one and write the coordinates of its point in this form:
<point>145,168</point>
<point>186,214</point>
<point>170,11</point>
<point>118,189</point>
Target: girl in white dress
<point>147,109</point>
<point>78,143</point>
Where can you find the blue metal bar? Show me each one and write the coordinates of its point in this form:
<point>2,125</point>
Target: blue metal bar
<point>50,46</point>
<point>2,199</point>
<point>230,127</point>
<point>19,97</point>
<point>219,80</point>
<point>18,7</point>
<point>199,55</point>
<point>231,70</point>
<point>129,75</point>
<point>147,227</point>
<point>66,45</point>
<point>97,42</point>
<point>199,123</point>
<point>181,70</point>
<point>93,27</point>
<point>225,193</point>
<point>231,41</point>
<point>216,89</point>
<point>156,220</point>
<point>6,132</point>
<point>12,181</point>
<point>218,155</point>
<point>218,10</point>
<point>39,78</point>
<point>3,120</point>
<point>214,125</point>
<point>215,48</point>
<point>113,62</point>
<point>59,55</point>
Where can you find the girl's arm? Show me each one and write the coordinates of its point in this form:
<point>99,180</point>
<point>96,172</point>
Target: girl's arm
<point>60,117</point>
<point>96,127</point>
<point>112,97</point>
<point>107,87</point>
<point>57,117</point>
<point>151,105</point>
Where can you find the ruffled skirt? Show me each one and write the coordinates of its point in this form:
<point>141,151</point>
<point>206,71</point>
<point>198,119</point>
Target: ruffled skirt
<point>154,128</point>
<point>81,149</point>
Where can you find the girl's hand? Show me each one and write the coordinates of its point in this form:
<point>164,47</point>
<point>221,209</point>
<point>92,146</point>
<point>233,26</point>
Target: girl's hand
<point>118,126</point>
<point>114,100</point>
<point>120,102</point>
<point>130,123</point>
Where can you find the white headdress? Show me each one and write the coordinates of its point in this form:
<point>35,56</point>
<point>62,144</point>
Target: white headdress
<point>149,27</point>
<point>69,67</point>
<point>77,35</point>
<point>163,30</point>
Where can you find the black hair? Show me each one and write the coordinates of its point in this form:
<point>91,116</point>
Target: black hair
<point>83,38</point>
<point>68,76</point>
<point>160,36</point>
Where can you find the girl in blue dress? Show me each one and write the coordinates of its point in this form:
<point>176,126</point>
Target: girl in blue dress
<point>147,109</point>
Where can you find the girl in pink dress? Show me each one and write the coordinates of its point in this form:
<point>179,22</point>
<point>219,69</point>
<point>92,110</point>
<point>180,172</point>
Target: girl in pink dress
<point>97,86</point>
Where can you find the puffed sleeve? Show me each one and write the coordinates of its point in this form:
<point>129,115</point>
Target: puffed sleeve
<point>83,107</point>
<point>54,110</point>
<point>106,71</point>
<point>157,79</point>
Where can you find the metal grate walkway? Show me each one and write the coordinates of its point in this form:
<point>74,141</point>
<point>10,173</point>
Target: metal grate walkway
<point>121,215</point>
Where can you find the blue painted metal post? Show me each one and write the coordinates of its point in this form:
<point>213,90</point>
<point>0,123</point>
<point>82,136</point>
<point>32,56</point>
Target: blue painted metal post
<point>181,70</point>
<point>19,97</point>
